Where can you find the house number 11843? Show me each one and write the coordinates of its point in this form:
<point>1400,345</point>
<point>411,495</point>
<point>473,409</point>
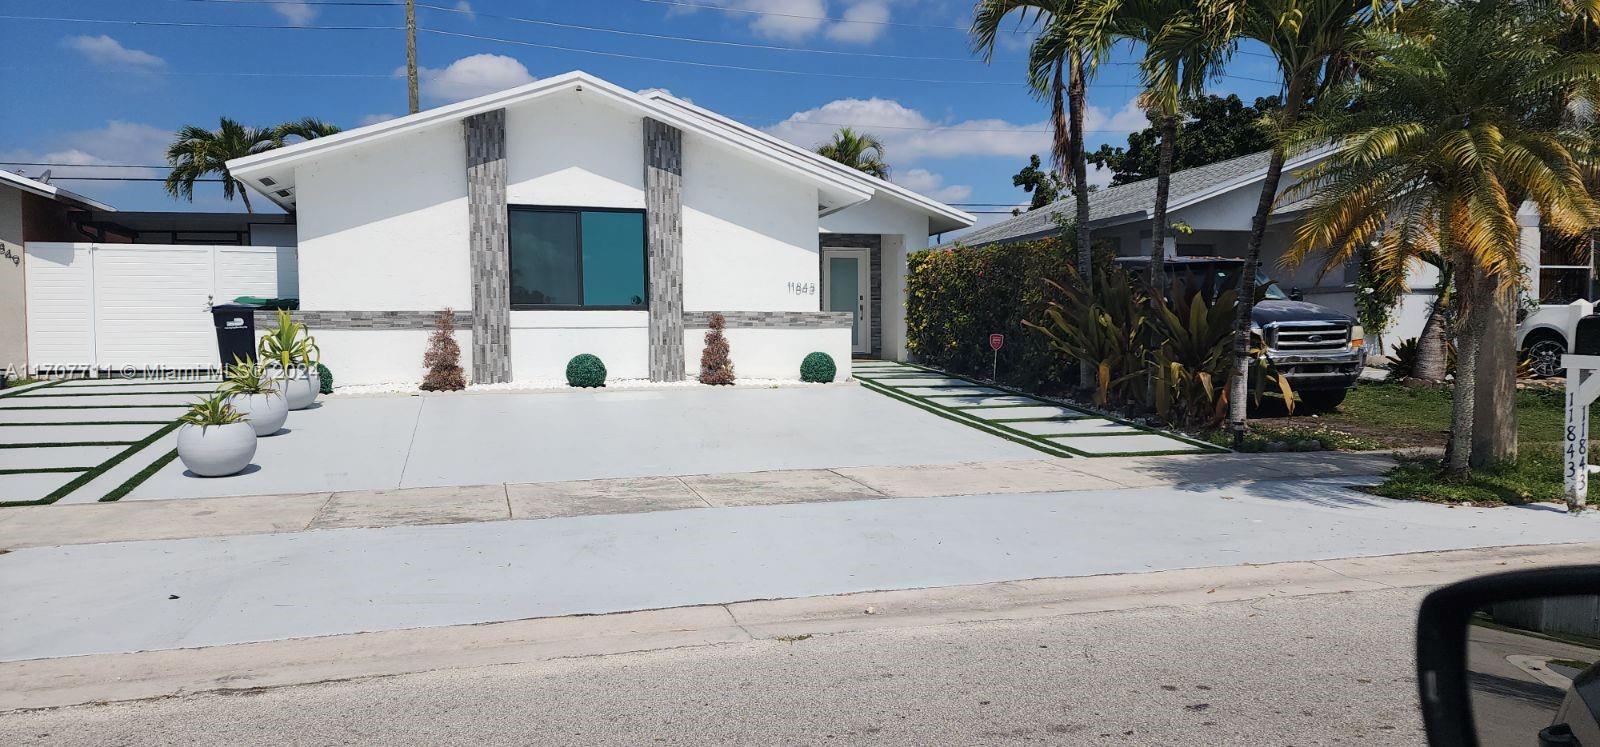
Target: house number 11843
<point>803,289</point>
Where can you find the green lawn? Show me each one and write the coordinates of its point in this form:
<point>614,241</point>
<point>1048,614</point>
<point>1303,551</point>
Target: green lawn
<point>1391,416</point>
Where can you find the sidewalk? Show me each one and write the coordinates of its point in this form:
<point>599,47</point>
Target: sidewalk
<point>122,597</point>
<point>42,526</point>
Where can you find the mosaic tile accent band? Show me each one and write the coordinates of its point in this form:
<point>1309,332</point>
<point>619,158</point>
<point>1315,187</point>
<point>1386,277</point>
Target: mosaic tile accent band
<point>772,319</point>
<point>363,319</point>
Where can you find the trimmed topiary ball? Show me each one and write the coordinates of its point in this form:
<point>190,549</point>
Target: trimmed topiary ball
<point>326,378</point>
<point>586,370</point>
<point>818,368</point>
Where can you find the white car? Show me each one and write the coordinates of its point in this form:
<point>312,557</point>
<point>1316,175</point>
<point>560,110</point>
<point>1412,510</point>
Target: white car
<point>1546,334</point>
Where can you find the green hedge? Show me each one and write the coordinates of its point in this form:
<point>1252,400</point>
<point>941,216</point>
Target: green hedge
<point>955,298</point>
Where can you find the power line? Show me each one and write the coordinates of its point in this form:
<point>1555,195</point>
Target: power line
<point>198,24</point>
<point>696,40</point>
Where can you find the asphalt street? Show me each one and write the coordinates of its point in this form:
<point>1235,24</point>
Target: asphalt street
<point>1312,670</point>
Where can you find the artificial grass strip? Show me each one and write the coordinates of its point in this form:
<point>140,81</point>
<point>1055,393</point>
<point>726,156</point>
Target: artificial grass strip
<point>89,422</point>
<point>1048,448</point>
<point>86,477</point>
<point>41,470</point>
<point>138,479</point>
<point>19,392</point>
<point>60,444</point>
<point>89,407</point>
<point>124,394</point>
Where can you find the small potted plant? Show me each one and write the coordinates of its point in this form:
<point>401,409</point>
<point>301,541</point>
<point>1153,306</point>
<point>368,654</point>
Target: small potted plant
<point>255,395</point>
<point>294,351</point>
<point>215,440</point>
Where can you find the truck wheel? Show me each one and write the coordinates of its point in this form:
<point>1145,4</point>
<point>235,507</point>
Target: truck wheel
<point>1543,351</point>
<point>1322,400</point>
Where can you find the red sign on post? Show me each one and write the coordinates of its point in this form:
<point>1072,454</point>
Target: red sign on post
<point>997,341</point>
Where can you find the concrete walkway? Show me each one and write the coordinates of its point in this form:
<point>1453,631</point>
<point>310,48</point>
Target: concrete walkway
<point>153,595</point>
<point>43,526</point>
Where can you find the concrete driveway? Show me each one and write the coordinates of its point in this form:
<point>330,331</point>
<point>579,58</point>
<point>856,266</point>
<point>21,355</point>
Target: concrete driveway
<point>363,443</point>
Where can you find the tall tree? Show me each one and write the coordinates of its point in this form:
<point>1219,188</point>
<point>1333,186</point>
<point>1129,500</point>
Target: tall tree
<point>1447,132</point>
<point>1312,41</point>
<point>1182,49</point>
<point>197,153</point>
<point>1210,129</point>
<point>1035,180</point>
<point>1060,62</point>
<point>858,150</point>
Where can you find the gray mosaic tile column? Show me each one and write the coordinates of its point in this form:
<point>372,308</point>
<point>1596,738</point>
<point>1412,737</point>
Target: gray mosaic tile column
<point>487,236</point>
<point>663,205</point>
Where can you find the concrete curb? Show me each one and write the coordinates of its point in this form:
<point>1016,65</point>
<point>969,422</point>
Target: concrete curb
<point>50,683</point>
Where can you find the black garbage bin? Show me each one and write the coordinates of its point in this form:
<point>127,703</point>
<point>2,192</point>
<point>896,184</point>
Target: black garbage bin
<point>236,332</point>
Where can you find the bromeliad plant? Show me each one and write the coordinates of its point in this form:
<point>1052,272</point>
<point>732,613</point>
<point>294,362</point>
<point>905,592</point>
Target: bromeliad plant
<point>210,411</point>
<point>1106,326</point>
<point>1191,354</point>
<point>291,345</point>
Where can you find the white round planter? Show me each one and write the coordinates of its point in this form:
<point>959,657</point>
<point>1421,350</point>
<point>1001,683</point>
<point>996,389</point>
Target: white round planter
<point>301,389</point>
<point>266,412</point>
<point>216,450</point>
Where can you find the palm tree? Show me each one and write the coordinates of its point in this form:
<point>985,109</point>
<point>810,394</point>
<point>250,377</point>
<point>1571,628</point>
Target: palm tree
<point>1446,134</point>
<point>859,151</point>
<point>1060,63</point>
<point>198,153</point>
<point>306,129</point>
<point>1182,50</point>
<point>1312,41</point>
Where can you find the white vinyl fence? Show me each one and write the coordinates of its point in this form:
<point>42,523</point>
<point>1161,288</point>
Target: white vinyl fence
<point>110,306</point>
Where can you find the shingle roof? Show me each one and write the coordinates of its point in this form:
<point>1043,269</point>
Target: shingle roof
<point>1111,202</point>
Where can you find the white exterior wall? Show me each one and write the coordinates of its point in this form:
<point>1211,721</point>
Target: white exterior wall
<point>542,342</point>
<point>382,356</point>
<point>384,228</point>
<point>904,229</point>
<point>771,353</point>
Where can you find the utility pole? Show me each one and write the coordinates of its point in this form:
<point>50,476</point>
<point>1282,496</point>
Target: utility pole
<point>411,55</point>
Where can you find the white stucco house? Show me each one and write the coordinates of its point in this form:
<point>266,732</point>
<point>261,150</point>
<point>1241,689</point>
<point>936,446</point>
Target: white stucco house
<point>570,216</point>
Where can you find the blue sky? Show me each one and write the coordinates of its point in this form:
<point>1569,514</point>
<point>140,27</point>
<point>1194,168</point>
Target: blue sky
<point>102,92</point>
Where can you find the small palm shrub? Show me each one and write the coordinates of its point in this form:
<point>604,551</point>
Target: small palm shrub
<point>818,368</point>
<point>1192,356</point>
<point>325,378</point>
<point>585,370</point>
<point>443,358</point>
<point>246,378</point>
<point>213,410</point>
<point>715,365</point>
<point>1403,360</point>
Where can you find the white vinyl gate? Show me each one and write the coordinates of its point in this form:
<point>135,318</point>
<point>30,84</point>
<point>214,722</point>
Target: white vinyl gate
<point>111,306</point>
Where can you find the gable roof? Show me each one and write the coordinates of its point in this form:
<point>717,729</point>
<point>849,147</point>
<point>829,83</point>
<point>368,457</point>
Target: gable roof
<point>272,172</point>
<point>50,191</point>
<point>945,218</point>
<point>1134,201</point>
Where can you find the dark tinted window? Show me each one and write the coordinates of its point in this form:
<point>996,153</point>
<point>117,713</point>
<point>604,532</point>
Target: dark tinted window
<point>577,258</point>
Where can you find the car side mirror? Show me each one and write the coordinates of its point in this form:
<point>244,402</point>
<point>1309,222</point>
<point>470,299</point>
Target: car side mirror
<point>1512,658</point>
<point>1295,294</point>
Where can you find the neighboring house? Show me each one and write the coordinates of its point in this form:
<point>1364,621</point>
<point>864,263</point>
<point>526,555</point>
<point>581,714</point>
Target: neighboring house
<point>30,210</point>
<point>1216,203</point>
<point>572,216</point>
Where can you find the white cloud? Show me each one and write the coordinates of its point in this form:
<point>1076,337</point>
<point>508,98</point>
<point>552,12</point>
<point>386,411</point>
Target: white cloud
<point>790,20</point>
<point>78,153</point>
<point>932,185</point>
<point>867,25</point>
<point>296,13</point>
<point>104,50</point>
<point>909,135</point>
<point>466,8</point>
<point>472,76</point>
<point>372,119</point>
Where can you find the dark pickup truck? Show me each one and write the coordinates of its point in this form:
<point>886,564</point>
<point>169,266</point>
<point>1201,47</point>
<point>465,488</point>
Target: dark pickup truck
<point>1318,349</point>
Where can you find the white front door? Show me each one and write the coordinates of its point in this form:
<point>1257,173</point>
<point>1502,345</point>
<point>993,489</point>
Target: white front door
<point>847,286</point>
